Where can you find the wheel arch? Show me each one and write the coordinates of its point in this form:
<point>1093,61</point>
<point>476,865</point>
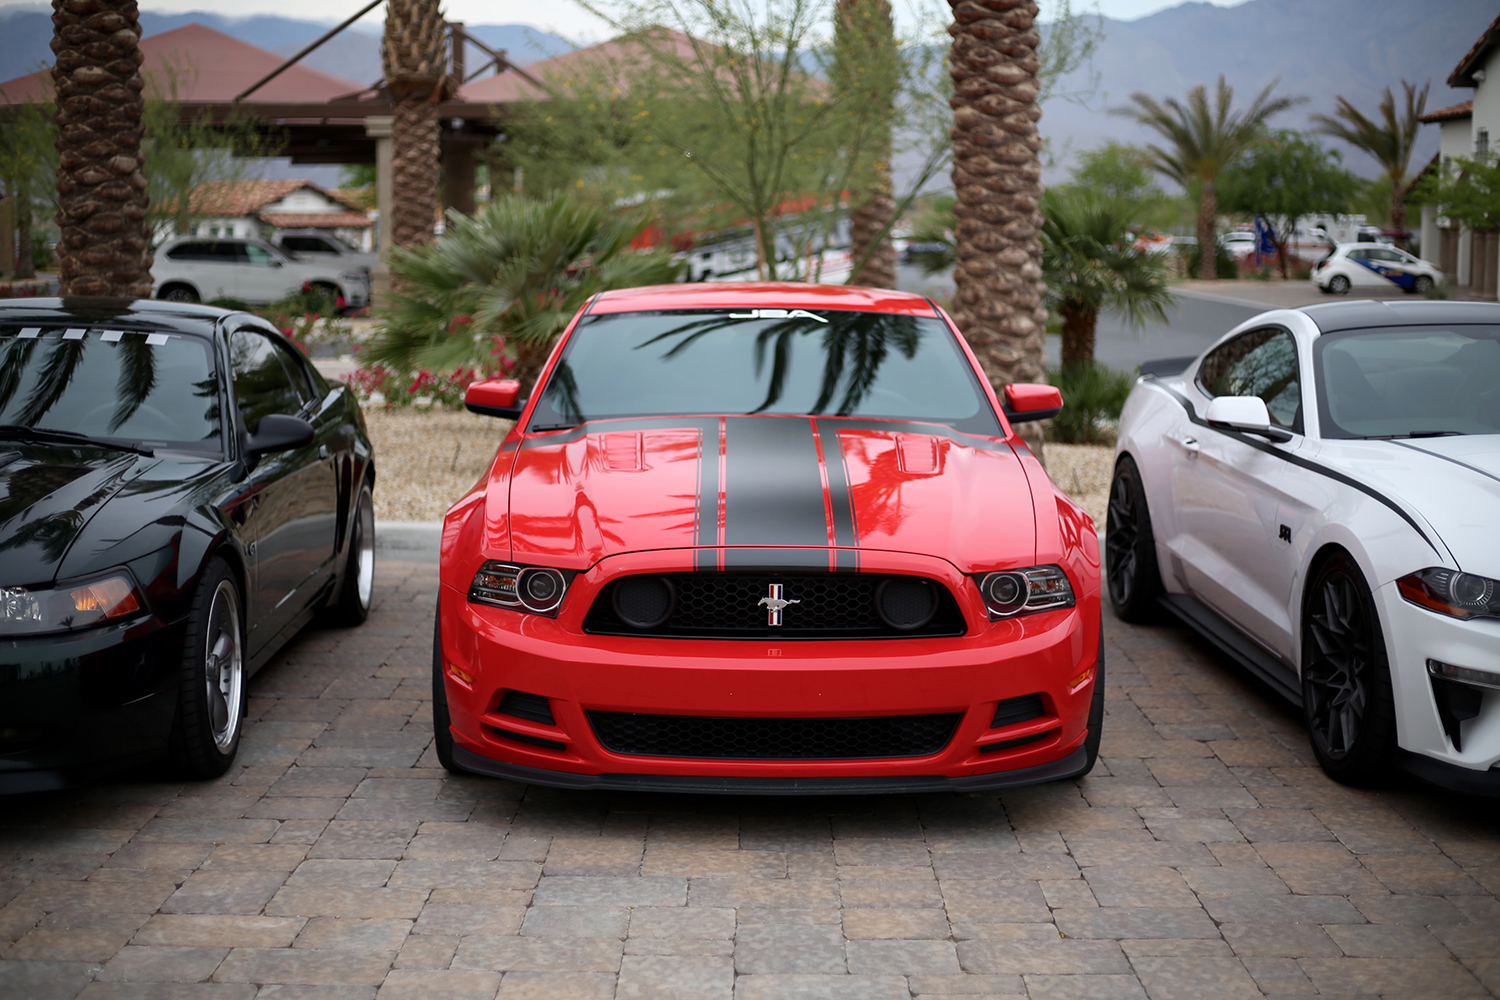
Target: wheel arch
<point>172,283</point>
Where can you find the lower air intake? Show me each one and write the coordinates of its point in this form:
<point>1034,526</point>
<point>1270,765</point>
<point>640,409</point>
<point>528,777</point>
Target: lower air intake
<point>772,739</point>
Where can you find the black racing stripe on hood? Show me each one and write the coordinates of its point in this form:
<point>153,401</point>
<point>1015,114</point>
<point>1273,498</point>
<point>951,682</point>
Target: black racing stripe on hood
<point>774,488</point>
<point>706,559</point>
<point>1447,458</point>
<point>775,560</point>
<point>841,501</point>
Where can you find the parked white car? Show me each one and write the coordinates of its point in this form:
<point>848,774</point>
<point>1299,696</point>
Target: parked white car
<point>1318,495</point>
<point>188,269</point>
<point>324,248</point>
<point>1374,265</point>
<point>1239,243</point>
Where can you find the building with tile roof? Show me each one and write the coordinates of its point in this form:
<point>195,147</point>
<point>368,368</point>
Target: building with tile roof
<point>261,208</point>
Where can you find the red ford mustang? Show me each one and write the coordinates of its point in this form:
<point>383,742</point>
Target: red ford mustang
<point>767,538</point>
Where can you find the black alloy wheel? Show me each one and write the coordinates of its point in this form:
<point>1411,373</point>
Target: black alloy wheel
<point>211,678</point>
<point>1130,547</point>
<point>353,605</point>
<point>1338,285</point>
<point>442,736</point>
<point>1346,679</point>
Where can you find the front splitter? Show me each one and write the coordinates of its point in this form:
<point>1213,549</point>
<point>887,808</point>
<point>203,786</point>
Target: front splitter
<point>1069,767</point>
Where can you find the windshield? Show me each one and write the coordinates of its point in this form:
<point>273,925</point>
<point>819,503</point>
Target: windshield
<point>133,387</point>
<point>1408,381</point>
<point>859,364</point>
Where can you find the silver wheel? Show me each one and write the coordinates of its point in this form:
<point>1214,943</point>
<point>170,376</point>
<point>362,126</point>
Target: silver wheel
<point>224,667</point>
<point>364,579</point>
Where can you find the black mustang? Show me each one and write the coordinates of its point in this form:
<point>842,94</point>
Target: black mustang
<point>180,492</point>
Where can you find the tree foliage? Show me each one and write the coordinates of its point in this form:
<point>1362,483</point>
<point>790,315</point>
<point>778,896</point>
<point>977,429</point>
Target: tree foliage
<point>1089,265</point>
<point>1466,190</point>
<point>509,277</point>
<point>1389,139</point>
<point>28,165</point>
<point>1287,178</point>
<point>1200,138</point>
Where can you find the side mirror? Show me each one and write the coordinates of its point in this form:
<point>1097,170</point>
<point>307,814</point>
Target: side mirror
<point>278,432</point>
<point>495,397</point>
<point>1244,413</point>
<point>1026,401</point>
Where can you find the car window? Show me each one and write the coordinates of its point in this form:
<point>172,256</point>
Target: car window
<point>266,379</point>
<point>258,255</point>
<point>144,386</point>
<point>1259,363</point>
<point>797,361</point>
<point>307,244</point>
<point>1392,256</point>
<point>190,251</point>
<point>1358,253</point>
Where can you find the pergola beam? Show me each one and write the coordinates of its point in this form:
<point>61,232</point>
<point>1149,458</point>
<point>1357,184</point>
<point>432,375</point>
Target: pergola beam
<point>296,58</point>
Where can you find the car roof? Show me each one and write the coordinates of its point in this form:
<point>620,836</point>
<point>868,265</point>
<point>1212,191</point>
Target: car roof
<point>179,317</point>
<point>1332,316</point>
<point>768,294</point>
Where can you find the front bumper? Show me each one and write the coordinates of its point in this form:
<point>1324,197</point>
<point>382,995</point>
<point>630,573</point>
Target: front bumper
<point>75,705</point>
<point>1051,654</point>
<point>1413,635</point>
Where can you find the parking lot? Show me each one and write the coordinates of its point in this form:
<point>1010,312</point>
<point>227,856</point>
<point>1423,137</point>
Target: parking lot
<point>1206,857</point>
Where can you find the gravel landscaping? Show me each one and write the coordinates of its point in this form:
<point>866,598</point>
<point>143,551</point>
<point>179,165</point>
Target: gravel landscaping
<point>429,458</point>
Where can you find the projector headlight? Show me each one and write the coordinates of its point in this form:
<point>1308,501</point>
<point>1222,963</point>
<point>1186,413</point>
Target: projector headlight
<point>1449,592</point>
<point>1025,591</point>
<point>536,589</point>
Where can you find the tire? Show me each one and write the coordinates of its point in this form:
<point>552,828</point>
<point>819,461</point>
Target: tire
<point>442,736</point>
<point>353,605</point>
<point>1096,711</point>
<point>1338,285</point>
<point>1346,679</point>
<point>178,293</point>
<point>1131,573</point>
<point>211,678</point>
<point>1422,286</point>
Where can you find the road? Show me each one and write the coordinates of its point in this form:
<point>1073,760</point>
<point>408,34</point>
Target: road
<point>1206,857</point>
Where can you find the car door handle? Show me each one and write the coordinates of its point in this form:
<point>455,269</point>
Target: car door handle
<point>1190,445</point>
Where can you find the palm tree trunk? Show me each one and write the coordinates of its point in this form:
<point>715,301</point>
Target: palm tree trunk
<point>414,56</point>
<point>1078,324</point>
<point>1208,219</point>
<point>997,176</point>
<point>1398,207</point>
<point>865,75</point>
<point>105,244</point>
<point>415,157</point>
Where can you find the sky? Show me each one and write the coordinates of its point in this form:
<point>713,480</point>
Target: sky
<point>566,18</point>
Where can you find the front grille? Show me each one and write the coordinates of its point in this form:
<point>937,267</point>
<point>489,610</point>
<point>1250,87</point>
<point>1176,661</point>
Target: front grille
<point>727,605</point>
<point>772,739</point>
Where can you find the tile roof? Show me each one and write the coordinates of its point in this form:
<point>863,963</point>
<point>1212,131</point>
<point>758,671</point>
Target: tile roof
<point>238,198</point>
<point>1462,75</point>
<point>1464,110</point>
<point>316,220</point>
<point>206,66</point>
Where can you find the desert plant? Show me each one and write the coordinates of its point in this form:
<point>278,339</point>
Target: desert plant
<point>1093,396</point>
<point>518,269</point>
<point>1389,140</point>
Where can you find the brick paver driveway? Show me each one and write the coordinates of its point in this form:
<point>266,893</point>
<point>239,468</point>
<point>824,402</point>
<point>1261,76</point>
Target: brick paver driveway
<point>1206,857</point>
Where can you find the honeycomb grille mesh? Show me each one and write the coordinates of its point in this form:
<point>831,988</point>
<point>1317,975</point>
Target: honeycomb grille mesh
<point>727,605</point>
<point>772,739</point>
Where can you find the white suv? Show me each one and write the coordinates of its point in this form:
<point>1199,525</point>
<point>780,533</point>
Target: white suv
<point>195,270</point>
<point>325,248</point>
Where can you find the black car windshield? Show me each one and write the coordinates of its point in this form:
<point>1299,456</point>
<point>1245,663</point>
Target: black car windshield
<point>854,364</point>
<point>138,387</point>
<point>1408,381</point>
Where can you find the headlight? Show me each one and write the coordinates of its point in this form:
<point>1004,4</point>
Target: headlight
<point>1025,591</point>
<point>537,589</point>
<point>1449,592</point>
<point>24,611</point>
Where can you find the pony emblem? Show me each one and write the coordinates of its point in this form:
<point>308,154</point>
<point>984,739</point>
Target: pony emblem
<point>774,604</point>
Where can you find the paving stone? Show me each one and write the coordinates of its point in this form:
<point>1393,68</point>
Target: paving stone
<point>1386,941</point>
<point>907,958</point>
<point>856,893</point>
<point>557,986</point>
<point>245,892</point>
<point>151,964</point>
<point>1425,911</point>
<point>576,921</point>
<point>1278,975</point>
<point>975,865</point>
<point>1135,922</point>
<point>1084,987</point>
<point>1042,957</point>
<point>682,922</point>
<point>1279,940</point>
<point>1401,977</point>
<point>468,984</point>
<point>980,901</point>
<point>503,954</point>
<point>1154,887</point>
<point>1282,909</point>
<point>1174,948</point>
<point>328,901</point>
<point>1241,881</point>
<point>1424,875</point>
<point>740,892</point>
<point>363,839</point>
<point>877,924</point>
<point>608,891</point>
<point>664,977</point>
<point>1194,978</point>
<point>383,937</point>
<point>173,991</point>
<point>302,966</point>
<point>459,918</point>
<point>967,985</point>
<point>349,873</point>
<point>782,949</point>
<point>219,930</point>
<point>824,987</point>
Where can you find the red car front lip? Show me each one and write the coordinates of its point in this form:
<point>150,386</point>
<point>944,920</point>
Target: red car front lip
<point>502,650</point>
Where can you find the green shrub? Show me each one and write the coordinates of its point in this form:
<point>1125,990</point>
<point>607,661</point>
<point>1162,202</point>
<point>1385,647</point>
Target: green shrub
<point>1225,266</point>
<point>1093,396</point>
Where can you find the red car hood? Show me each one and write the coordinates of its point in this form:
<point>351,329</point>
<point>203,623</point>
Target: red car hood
<point>828,486</point>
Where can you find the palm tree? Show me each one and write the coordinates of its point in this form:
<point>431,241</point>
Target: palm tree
<point>516,270</point>
<point>1201,140</point>
<point>1089,265</point>
<point>865,75</point>
<point>414,57</point>
<point>1389,140</point>
<point>101,190</point>
<point>997,176</point>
